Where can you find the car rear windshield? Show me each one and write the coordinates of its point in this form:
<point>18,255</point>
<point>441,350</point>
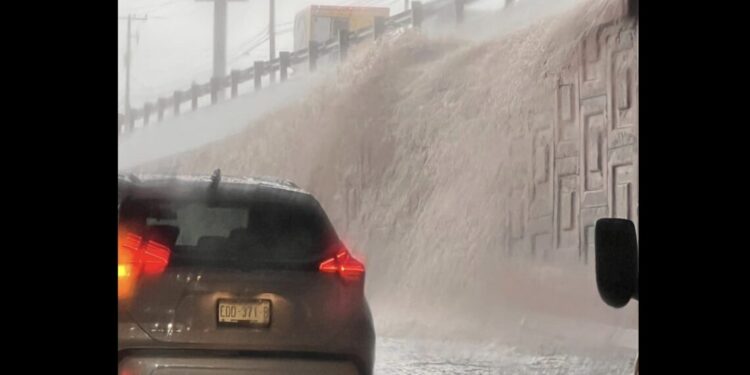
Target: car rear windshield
<point>235,235</point>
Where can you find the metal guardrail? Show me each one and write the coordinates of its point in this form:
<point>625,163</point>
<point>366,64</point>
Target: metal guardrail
<point>412,17</point>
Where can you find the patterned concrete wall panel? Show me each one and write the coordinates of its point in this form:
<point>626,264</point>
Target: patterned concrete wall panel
<point>566,203</point>
<point>593,139</point>
<point>606,179</point>
<point>589,216</point>
<point>567,110</point>
<point>623,140</point>
<point>593,169</point>
<point>520,157</point>
<point>517,217</point>
<point>565,164</point>
<point>541,243</point>
<point>578,162</point>
<point>623,195</point>
<point>593,73</point>
<point>622,90</point>
<point>541,183</point>
<point>566,218</point>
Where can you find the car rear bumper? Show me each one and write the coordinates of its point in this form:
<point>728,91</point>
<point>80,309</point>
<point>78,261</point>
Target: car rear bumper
<point>353,347</point>
<point>352,340</point>
<point>145,364</point>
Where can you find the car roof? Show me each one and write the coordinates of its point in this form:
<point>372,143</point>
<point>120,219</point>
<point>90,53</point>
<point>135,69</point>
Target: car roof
<point>228,187</point>
<point>271,182</point>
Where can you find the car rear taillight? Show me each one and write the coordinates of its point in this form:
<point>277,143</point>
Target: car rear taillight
<point>344,264</point>
<point>135,258</point>
<point>155,258</point>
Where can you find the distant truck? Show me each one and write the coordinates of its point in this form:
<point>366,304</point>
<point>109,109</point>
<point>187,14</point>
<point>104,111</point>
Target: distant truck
<point>321,23</point>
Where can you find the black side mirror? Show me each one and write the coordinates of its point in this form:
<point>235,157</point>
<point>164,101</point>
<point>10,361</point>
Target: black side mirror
<point>616,261</point>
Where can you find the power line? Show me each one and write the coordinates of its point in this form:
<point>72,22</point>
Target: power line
<point>281,28</point>
<point>272,35</point>
<point>159,6</point>
<point>128,53</point>
<point>205,67</point>
<point>258,43</point>
<point>243,49</point>
<point>253,42</point>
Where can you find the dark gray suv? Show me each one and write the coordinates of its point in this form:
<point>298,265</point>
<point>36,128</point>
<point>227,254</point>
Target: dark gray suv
<point>233,276</point>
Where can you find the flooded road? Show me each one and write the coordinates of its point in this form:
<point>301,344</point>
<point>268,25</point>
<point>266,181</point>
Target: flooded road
<point>396,356</point>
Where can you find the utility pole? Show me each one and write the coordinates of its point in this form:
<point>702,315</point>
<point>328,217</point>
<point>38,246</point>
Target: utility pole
<point>272,37</point>
<point>128,54</point>
<point>406,5</point>
<point>220,41</point>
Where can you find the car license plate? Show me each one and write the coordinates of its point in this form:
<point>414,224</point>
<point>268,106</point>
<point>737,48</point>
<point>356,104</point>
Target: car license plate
<point>254,313</point>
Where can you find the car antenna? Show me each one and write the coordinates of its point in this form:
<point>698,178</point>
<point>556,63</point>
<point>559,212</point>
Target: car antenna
<point>214,187</point>
<point>215,178</point>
